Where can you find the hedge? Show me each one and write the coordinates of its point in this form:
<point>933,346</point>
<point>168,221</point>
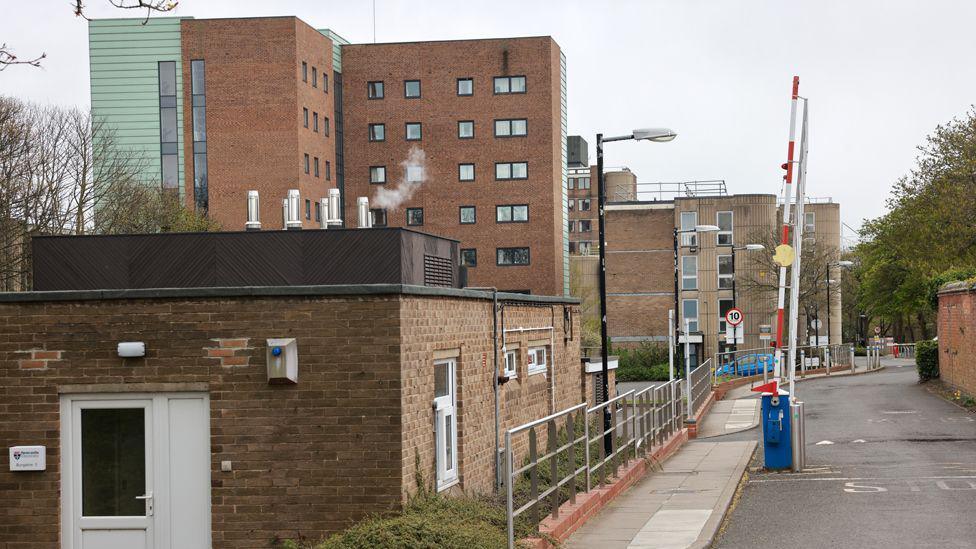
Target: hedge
<point>927,359</point>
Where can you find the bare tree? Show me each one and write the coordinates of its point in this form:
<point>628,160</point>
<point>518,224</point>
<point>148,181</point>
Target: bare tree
<point>7,58</point>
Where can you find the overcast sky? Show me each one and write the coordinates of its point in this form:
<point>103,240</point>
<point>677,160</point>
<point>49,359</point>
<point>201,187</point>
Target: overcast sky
<point>880,75</point>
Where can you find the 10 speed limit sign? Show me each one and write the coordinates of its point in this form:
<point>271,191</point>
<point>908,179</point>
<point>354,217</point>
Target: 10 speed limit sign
<point>734,316</point>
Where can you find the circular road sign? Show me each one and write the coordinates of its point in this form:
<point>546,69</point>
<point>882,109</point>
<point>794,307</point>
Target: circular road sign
<point>877,329</point>
<point>784,255</point>
<point>734,316</point>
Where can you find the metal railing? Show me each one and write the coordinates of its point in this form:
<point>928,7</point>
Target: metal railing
<point>700,380</point>
<point>575,424</point>
<point>574,442</point>
<point>902,350</point>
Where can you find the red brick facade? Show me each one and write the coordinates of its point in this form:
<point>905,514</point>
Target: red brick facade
<point>957,346</point>
<point>255,96</point>
<point>439,109</point>
<point>346,438</point>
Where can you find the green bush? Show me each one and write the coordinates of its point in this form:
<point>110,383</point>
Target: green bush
<point>432,521</point>
<point>927,359</point>
<point>649,362</point>
<point>860,351</point>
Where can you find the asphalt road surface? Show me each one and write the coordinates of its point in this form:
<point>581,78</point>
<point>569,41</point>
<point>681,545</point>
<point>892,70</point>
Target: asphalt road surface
<point>900,471</point>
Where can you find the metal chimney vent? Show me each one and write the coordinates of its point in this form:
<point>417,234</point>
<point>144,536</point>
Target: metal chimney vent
<point>324,213</point>
<point>335,213</point>
<point>294,219</point>
<point>253,212</point>
<point>363,209</point>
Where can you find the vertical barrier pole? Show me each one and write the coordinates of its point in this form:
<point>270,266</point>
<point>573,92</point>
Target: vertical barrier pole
<point>509,508</point>
<point>803,363</point>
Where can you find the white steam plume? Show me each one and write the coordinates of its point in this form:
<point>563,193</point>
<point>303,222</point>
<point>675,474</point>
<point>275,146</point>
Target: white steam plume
<point>413,176</point>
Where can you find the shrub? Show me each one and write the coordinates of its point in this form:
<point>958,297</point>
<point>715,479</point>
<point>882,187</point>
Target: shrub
<point>927,359</point>
<point>648,362</point>
<point>429,521</point>
<point>860,351</point>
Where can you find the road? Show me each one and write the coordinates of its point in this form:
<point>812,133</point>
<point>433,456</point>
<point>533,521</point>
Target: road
<point>900,472</point>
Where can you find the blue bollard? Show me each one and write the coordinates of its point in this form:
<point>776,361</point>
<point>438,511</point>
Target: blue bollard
<point>777,445</point>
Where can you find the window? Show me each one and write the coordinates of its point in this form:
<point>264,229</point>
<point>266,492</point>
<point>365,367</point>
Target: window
<point>511,170</point>
<point>572,205</point>
<point>584,204</point>
<point>328,170</point>
<point>509,84</point>
<point>467,215</point>
<point>584,247</point>
<point>585,225</point>
<point>724,222</point>
<point>198,89</point>
<point>466,172</point>
<point>466,129</point>
<point>516,213</point>
<point>413,131</point>
<point>723,307</point>
<point>537,360</point>
<point>583,183</point>
<point>415,216</point>
<point>689,312</point>
<point>315,77</point>
<point>305,116</point>
<point>689,272</point>
<point>378,217</point>
<point>465,86</point>
<point>411,89</point>
<point>304,71</point>
<point>572,226</point>
<point>809,222</point>
<point>511,364</point>
<point>325,82</point>
<point>315,164</point>
<point>469,257</point>
<point>573,248</point>
<point>325,125</point>
<point>318,212</point>
<point>725,272</point>
<point>445,423</point>
<point>512,127</point>
<point>512,256</point>
<point>168,132</point>
<point>377,175</point>
<point>688,222</point>
<point>315,121</point>
<point>377,132</point>
<point>306,162</point>
<point>415,174</point>
<point>308,209</point>
<point>374,90</point>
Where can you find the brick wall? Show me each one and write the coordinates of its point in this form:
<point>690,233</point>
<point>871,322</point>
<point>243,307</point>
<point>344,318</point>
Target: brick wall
<point>254,100</point>
<point>957,346</point>
<point>438,65</point>
<point>345,437</point>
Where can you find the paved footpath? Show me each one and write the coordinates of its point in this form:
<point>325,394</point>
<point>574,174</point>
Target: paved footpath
<point>680,506</point>
<point>889,465</point>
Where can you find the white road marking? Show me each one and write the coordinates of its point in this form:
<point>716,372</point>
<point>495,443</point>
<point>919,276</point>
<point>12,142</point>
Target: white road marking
<point>853,488</point>
<point>824,443</point>
<point>855,478</point>
<point>858,440</point>
<point>900,412</point>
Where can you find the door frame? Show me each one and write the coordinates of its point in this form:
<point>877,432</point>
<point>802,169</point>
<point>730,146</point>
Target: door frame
<point>157,458</point>
<point>443,406</point>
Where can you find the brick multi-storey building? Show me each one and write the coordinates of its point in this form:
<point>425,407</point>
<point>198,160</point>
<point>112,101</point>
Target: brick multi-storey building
<point>217,107</point>
<point>621,185</point>
<point>193,445</point>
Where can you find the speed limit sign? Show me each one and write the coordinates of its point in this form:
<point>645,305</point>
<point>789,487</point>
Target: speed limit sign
<point>734,316</point>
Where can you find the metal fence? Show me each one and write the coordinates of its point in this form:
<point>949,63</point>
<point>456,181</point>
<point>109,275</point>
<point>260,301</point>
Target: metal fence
<point>575,459</point>
<point>700,382</point>
<point>902,350</point>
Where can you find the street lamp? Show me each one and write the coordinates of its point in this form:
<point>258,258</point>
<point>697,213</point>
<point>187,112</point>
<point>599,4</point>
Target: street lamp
<point>656,135</point>
<point>843,263</point>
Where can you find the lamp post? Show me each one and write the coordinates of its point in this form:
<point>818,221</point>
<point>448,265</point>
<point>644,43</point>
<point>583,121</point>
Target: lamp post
<point>747,247</point>
<point>844,264</point>
<point>657,135</point>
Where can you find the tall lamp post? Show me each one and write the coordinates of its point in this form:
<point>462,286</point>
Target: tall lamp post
<point>843,264</point>
<point>655,135</point>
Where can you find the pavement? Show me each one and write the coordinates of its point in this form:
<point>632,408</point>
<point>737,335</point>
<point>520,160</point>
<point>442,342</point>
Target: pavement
<point>889,464</point>
<point>730,416</point>
<point>682,505</point>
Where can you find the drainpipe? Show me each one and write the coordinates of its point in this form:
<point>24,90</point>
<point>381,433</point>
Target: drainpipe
<point>494,339</point>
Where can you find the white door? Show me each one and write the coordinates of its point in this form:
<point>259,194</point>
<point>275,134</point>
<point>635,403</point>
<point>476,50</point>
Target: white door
<point>136,471</point>
<point>445,422</point>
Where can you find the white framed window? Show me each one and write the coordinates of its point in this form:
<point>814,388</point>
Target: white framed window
<point>687,227</point>
<point>724,222</point>
<point>445,422</point>
<point>537,360</point>
<point>809,222</point>
<point>723,307</point>
<point>689,312</point>
<point>689,272</point>
<point>511,364</point>
<point>725,272</point>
